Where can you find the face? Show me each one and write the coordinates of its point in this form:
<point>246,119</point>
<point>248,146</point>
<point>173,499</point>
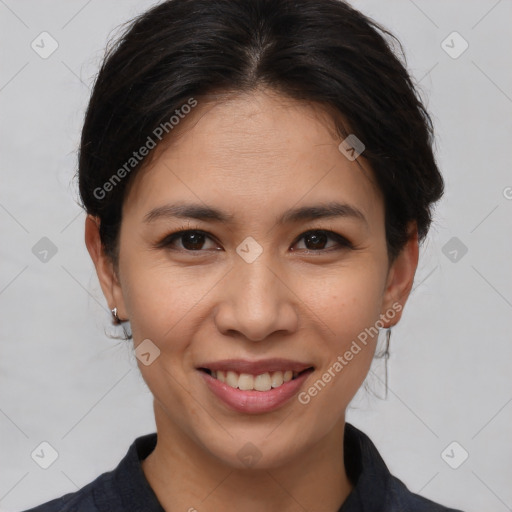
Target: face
<point>251,244</point>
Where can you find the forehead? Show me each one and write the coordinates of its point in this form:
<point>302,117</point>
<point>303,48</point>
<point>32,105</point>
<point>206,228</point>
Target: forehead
<point>253,153</point>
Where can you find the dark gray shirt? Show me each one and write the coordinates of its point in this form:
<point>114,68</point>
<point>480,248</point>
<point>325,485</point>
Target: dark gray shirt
<point>125,488</point>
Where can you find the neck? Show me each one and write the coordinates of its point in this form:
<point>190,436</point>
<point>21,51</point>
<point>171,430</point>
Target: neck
<point>186,477</point>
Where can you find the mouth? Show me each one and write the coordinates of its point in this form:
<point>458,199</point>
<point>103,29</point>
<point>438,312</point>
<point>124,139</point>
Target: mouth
<point>255,382</point>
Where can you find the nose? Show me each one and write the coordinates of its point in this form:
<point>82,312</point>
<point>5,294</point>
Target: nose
<point>256,301</point>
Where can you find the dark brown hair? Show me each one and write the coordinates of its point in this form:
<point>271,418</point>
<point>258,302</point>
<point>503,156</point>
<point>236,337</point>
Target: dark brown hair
<point>314,50</point>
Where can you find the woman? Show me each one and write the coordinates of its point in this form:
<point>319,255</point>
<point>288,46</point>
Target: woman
<point>257,175</point>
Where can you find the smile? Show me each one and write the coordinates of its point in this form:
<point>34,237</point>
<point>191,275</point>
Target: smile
<point>248,382</point>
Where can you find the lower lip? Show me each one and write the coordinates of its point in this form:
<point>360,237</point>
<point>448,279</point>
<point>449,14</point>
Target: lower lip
<point>253,402</point>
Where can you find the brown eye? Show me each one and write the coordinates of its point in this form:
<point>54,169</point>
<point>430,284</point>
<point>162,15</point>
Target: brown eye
<point>316,240</point>
<point>194,241</point>
<point>191,240</point>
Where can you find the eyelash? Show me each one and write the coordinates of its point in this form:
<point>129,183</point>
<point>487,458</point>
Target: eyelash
<point>343,243</point>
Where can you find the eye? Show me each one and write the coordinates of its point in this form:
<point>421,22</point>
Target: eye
<point>193,240</point>
<point>317,239</point>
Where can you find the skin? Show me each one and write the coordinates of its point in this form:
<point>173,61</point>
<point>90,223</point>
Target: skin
<point>253,155</point>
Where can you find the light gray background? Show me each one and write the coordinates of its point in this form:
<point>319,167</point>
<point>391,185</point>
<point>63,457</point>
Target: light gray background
<point>63,381</point>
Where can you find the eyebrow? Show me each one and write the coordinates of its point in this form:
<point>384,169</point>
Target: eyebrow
<point>206,213</point>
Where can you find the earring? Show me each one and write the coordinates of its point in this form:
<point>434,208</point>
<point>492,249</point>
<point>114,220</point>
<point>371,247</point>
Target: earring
<point>115,316</point>
<point>386,357</point>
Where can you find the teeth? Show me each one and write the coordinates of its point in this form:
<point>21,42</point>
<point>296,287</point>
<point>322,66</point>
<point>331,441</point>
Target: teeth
<point>231,379</point>
<point>245,381</point>
<point>262,382</point>
<point>248,382</point>
<point>277,379</point>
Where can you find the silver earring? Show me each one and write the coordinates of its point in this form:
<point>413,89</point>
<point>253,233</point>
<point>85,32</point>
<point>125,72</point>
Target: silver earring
<point>115,316</point>
<point>386,357</point>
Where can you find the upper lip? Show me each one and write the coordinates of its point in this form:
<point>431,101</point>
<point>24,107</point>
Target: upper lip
<point>256,367</point>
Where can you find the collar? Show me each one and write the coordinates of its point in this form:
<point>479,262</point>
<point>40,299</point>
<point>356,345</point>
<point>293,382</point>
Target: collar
<point>372,481</point>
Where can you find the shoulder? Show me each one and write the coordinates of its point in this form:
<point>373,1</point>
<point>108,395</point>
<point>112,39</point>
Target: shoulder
<point>402,499</point>
<point>123,488</point>
<point>82,500</point>
<point>375,488</point>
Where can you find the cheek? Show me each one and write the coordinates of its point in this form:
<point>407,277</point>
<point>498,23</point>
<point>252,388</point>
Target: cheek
<point>348,306</point>
<point>160,298</point>
<point>160,303</point>
<point>347,300</point>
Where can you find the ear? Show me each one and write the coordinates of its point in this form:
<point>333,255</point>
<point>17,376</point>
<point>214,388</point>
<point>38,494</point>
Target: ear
<point>104,266</point>
<point>400,278</point>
